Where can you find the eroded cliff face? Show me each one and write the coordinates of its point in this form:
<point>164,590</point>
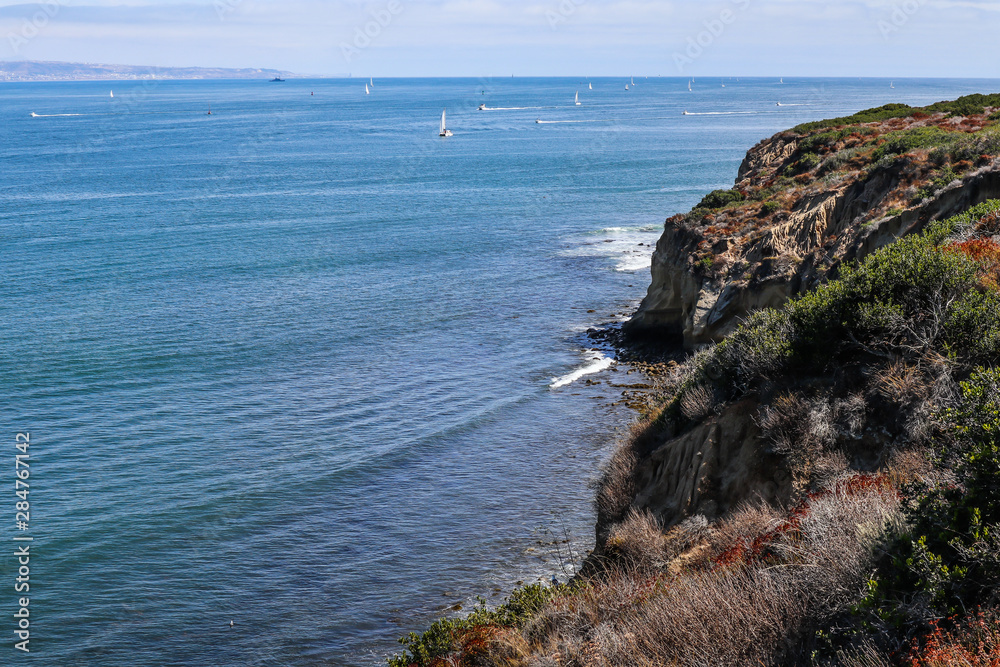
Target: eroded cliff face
<point>712,468</point>
<point>804,207</point>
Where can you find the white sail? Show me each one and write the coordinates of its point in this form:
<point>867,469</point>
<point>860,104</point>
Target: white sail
<point>442,120</point>
<point>631,80</point>
<point>366,89</point>
<point>590,86</point>
<point>371,81</point>
<point>626,86</point>
<point>112,93</point>
<point>689,86</point>
<point>577,98</point>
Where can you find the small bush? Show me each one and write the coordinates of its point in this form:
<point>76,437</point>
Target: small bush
<point>453,635</point>
<point>720,199</point>
<point>770,207</point>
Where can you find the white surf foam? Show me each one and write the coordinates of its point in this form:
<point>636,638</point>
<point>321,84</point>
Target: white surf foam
<point>635,262</point>
<point>597,363</point>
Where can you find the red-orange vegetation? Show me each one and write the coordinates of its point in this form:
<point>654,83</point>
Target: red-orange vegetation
<point>975,642</point>
<point>758,550</point>
<point>986,253</point>
<point>963,166</point>
<point>470,644</point>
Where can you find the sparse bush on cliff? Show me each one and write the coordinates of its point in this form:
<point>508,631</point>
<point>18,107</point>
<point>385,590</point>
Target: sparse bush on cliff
<point>720,199</point>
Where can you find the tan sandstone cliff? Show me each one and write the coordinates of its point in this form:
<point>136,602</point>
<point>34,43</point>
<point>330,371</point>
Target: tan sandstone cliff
<point>804,210</point>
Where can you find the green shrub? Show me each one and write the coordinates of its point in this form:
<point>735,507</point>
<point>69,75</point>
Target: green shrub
<point>720,199</point>
<point>770,207</point>
<point>906,299</point>
<point>899,143</point>
<point>968,105</point>
<point>440,639</point>
<point>949,562</point>
<point>877,114</point>
<point>971,146</point>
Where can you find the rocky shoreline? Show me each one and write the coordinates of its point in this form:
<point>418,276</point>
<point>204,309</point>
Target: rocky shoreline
<point>809,339</point>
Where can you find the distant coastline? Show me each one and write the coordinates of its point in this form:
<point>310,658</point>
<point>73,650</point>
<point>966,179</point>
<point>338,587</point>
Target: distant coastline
<point>32,70</point>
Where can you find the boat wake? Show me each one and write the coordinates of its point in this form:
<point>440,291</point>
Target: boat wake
<point>511,108</point>
<point>55,115</point>
<point>597,363</point>
<point>720,113</point>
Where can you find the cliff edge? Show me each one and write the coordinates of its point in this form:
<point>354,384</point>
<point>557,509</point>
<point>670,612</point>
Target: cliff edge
<point>806,201</point>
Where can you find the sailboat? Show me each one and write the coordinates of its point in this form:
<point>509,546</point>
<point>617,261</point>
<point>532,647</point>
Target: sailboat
<point>632,81</point>
<point>626,86</point>
<point>590,86</point>
<point>366,89</point>
<point>445,132</point>
<point>689,86</point>
<point>891,84</point>
<point>371,81</point>
<point>781,80</point>
<point>209,109</point>
<point>112,93</point>
<point>577,98</point>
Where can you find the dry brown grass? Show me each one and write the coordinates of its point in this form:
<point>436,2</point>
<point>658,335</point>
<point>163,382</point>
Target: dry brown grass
<point>697,402</point>
<point>637,542</point>
<point>751,611</point>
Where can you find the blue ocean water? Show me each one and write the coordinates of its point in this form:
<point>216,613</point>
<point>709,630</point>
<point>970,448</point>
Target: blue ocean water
<point>293,364</point>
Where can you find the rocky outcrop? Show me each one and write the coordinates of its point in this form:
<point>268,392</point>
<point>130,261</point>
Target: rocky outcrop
<point>711,468</point>
<point>712,268</point>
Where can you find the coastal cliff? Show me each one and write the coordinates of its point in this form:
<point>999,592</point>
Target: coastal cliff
<point>819,482</point>
<point>805,202</point>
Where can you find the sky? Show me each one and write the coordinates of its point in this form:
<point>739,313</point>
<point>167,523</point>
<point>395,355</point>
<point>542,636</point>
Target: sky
<point>878,38</point>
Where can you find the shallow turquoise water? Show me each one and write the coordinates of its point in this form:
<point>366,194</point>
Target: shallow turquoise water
<point>290,364</point>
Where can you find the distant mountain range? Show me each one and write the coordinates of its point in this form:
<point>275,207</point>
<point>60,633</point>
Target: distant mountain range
<point>31,70</point>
